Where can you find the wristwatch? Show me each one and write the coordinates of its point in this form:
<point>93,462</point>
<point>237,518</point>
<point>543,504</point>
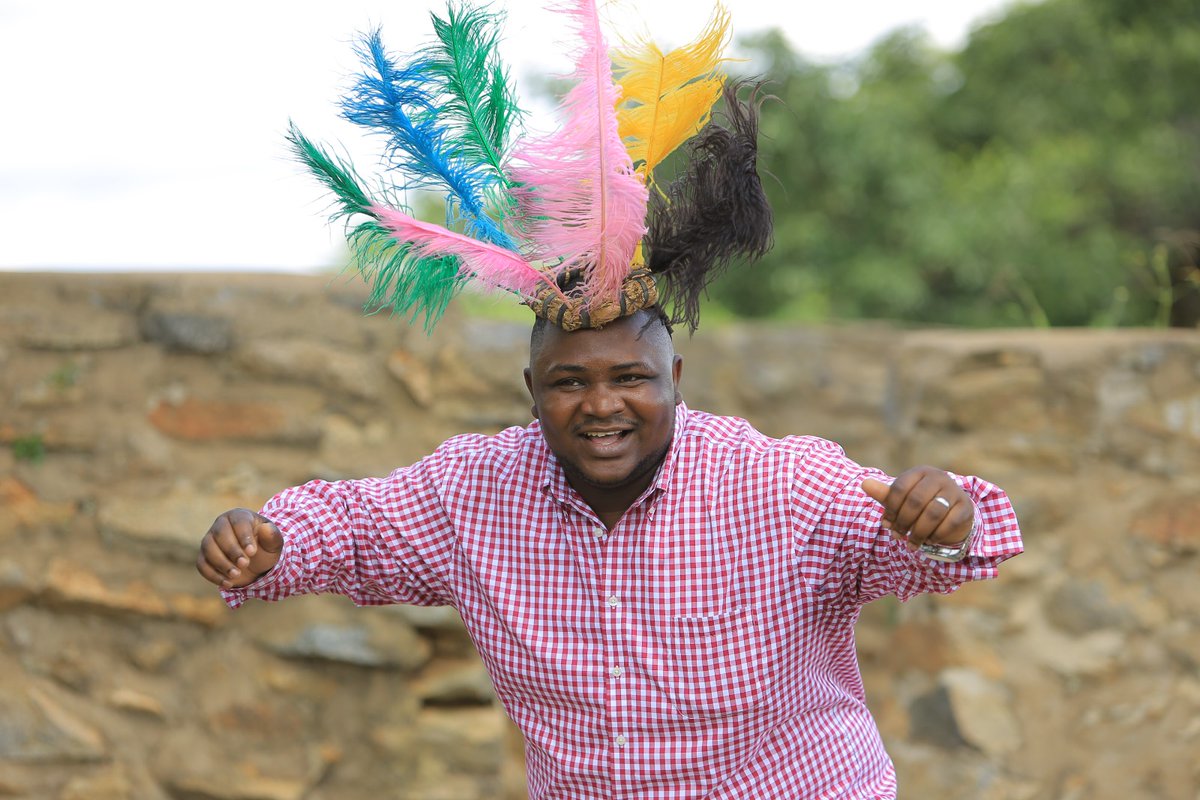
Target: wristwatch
<point>948,553</point>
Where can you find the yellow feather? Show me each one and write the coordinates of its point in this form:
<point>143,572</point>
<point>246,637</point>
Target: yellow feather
<point>666,98</point>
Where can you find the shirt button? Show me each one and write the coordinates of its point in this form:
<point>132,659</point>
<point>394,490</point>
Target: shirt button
<point>620,740</point>
<point>614,601</point>
<point>597,532</point>
<point>616,672</point>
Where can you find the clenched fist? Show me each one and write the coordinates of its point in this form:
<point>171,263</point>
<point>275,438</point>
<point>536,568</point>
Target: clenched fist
<point>924,505</point>
<point>238,549</point>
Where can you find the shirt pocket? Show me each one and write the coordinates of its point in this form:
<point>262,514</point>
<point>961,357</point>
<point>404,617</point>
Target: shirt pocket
<point>715,664</point>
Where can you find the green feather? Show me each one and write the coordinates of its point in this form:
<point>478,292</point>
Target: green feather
<point>335,174</point>
<point>399,280</point>
<point>480,110</point>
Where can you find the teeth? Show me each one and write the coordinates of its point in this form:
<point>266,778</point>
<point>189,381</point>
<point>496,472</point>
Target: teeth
<point>602,435</point>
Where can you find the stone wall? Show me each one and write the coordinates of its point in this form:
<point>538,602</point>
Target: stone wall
<point>133,409</point>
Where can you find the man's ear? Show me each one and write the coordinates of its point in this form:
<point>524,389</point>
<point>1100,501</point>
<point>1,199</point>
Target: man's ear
<point>533,409</point>
<point>676,374</point>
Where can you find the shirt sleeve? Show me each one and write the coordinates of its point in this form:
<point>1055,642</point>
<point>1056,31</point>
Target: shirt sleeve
<point>377,540</point>
<point>860,561</point>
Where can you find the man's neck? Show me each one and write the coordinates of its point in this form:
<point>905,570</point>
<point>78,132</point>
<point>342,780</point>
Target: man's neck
<point>611,504</point>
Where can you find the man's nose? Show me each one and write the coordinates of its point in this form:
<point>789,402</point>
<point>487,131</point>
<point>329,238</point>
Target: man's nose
<point>603,400</point>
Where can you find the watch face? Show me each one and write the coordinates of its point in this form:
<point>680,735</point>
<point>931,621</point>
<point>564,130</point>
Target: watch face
<point>946,553</point>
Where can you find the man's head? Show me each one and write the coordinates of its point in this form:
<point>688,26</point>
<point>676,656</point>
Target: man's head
<point>606,400</point>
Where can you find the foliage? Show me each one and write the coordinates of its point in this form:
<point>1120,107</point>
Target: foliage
<point>29,448</point>
<point>1047,174</point>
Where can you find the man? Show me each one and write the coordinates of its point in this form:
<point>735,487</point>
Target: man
<point>664,599</point>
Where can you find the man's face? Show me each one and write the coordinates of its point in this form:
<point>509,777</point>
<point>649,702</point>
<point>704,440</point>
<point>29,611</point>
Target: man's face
<point>606,400</point>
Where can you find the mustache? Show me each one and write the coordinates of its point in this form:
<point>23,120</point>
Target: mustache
<point>613,422</point>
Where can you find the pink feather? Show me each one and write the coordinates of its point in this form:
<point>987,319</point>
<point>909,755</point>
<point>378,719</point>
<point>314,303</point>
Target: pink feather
<point>486,262</point>
<point>582,203</point>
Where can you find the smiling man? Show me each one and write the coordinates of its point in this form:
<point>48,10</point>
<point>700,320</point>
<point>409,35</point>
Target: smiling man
<point>664,598</point>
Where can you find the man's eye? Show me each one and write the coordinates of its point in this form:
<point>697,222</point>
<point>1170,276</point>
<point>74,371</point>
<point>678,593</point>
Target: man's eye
<point>568,382</point>
<point>631,378</point>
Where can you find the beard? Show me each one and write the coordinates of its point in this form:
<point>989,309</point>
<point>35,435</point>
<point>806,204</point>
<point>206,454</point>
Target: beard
<point>641,469</point>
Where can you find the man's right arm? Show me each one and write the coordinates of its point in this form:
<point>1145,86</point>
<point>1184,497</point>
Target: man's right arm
<point>375,541</point>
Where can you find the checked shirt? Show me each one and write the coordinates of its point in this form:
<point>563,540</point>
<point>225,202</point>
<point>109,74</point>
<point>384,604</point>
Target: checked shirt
<point>701,648</point>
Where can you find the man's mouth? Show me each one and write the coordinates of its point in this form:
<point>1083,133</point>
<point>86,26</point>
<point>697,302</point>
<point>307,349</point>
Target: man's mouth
<point>605,442</point>
<point>604,434</point>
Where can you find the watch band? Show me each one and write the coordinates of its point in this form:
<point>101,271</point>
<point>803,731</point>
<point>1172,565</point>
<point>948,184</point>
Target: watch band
<point>949,553</point>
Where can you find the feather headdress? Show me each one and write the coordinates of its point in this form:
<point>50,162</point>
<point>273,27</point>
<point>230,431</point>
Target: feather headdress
<point>560,220</point>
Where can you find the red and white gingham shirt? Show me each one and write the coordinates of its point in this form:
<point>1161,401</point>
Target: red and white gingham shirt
<point>702,648</point>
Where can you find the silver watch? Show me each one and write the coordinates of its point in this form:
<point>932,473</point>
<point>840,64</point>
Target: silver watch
<point>948,553</point>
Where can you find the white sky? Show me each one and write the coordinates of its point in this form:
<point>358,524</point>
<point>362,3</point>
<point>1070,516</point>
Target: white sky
<point>146,134</point>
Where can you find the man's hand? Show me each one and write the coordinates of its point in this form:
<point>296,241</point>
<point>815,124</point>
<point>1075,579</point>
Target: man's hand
<point>924,506</point>
<point>238,549</point>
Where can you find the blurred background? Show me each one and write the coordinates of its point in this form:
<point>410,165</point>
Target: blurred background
<point>986,259</point>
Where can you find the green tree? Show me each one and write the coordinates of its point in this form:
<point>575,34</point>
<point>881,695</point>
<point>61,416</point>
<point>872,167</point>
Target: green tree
<point>1049,173</point>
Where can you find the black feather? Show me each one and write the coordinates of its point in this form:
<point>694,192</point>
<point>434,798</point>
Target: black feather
<point>715,213</point>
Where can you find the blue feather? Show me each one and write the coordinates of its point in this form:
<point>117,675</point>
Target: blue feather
<point>396,101</point>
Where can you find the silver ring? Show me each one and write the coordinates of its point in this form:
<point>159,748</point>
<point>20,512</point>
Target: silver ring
<point>943,501</point>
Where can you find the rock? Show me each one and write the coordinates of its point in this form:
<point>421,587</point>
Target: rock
<point>442,618</point>
<point>15,586</point>
<point>932,720</point>
<point>219,786</point>
<point>333,643</point>
<point>192,764</point>
<point>982,712</point>
<point>22,509</point>
<point>1080,607</point>
<point>1011,398</point>
<point>1170,522</point>
<point>51,393</point>
<point>150,452</point>
<point>350,373</point>
<point>351,645</point>
<point>66,431</point>
<point>1093,654</point>
<point>70,585</point>
<point>168,525</point>
<point>332,630</point>
<point>188,333</point>
<point>125,699</point>
<point>1182,416</point>
<point>439,786</point>
<point>199,420</point>
<point>95,330</point>
<point>1168,418</point>
<point>920,644</point>
<point>153,655</point>
<point>110,783</point>
<point>482,371</point>
<point>36,727</point>
<point>414,375</point>
<point>455,684</point>
<point>207,610</point>
<point>467,741</point>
